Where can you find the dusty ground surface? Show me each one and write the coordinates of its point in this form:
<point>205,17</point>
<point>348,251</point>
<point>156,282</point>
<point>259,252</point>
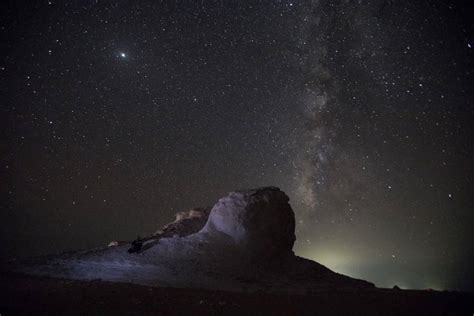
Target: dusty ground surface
<point>25,295</point>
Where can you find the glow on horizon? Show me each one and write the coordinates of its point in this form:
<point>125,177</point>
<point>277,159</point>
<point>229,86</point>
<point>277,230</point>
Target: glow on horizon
<point>351,265</point>
<point>336,261</point>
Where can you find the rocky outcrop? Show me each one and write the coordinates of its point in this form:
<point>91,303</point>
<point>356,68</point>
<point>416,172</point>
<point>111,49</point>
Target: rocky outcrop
<point>259,221</point>
<point>186,223</point>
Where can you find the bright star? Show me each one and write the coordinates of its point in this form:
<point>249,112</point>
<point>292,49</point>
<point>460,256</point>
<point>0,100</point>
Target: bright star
<point>123,55</point>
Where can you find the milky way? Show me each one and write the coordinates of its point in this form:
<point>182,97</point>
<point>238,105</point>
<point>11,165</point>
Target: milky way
<point>116,115</point>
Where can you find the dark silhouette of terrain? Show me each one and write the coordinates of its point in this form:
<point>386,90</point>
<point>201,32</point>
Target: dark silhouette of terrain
<point>27,295</point>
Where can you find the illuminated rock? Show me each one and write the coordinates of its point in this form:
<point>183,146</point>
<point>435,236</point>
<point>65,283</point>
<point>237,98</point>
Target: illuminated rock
<point>260,221</point>
<point>244,243</point>
<point>186,223</point>
<point>113,244</point>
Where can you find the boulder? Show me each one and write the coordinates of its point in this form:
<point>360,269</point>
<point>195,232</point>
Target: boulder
<point>113,244</point>
<point>260,221</point>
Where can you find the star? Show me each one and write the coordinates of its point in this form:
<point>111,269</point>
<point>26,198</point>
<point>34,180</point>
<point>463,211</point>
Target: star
<point>122,55</point>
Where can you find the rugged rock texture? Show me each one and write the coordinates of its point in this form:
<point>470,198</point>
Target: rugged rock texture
<point>186,223</point>
<point>260,221</point>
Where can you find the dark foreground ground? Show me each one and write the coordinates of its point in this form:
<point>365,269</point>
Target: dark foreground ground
<point>24,295</point>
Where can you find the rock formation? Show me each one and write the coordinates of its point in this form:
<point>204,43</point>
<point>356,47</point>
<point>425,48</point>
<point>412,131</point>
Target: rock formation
<point>260,221</point>
<point>243,243</point>
<point>186,223</point>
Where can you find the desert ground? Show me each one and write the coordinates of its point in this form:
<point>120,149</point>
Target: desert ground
<point>27,295</point>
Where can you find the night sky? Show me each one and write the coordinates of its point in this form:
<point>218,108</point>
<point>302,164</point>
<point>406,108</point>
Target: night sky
<point>117,114</point>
